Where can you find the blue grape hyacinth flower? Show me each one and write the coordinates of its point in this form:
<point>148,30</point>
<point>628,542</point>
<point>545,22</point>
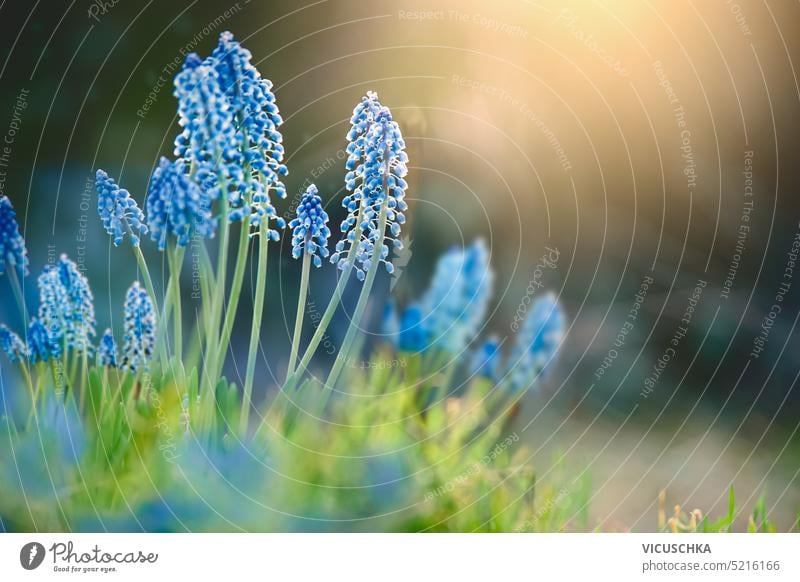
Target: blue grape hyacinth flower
<point>376,169</point>
<point>107,349</point>
<point>412,336</point>
<point>457,299</point>
<point>66,305</point>
<point>486,358</point>
<point>390,322</point>
<point>256,120</point>
<point>41,347</point>
<point>12,246</point>
<point>12,345</point>
<point>118,212</point>
<point>140,329</point>
<point>310,230</point>
<point>177,206</point>
<point>537,341</point>
<point>207,141</point>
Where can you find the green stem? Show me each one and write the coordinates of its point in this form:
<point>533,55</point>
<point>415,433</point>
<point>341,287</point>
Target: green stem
<point>148,282</point>
<point>301,308</point>
<point>216,307</point>
<point>175,264</point>
<point>233,298</point>
<point>18,295</point>
<point>291,380</point>
<point>319,334</point>
<point>363,298</point>
<point>255,329</point>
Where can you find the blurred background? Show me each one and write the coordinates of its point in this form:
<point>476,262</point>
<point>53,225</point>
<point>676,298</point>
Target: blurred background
<point>636,158</point>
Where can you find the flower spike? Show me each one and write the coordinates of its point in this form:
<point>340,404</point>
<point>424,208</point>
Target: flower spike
<point>177,206</point>
<point>310,230</point>
<point>12,246</point>
<point>140,329</point>
<point>118,211</point>
<point>12,345</point>
<point>376,169</point>
<point>107,350</point>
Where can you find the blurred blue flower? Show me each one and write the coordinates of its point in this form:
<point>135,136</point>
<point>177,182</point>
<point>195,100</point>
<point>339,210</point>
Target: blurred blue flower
<point>537,341</point>
<point>41,346</point>
<point>107,349</point>
<point>66,305</point>
<point>485,359</point>
<point>118,211</point>
<point>376,170</point>
<point>177,206</point>
<point>256,120</point>
<point>310,230</point>
<point>457,300</point>
<point>12,345</point>
<point>412,336</point>
<point>208,140</point>
<point>390,323</point>
<point>12,245</point>
<point>140,329</point>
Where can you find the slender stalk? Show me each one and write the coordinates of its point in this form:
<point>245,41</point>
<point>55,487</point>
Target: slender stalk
<point>233,297</point>
<point>148,282</point>
<point>18,295</point>
<point>216,308</point>
<point>175,264</point>
<point>161,331</point>
<point>361,306</point>
<point>291,380</point>
<point>301,307</point>
<point>255,329</point>
<point>29,384</point>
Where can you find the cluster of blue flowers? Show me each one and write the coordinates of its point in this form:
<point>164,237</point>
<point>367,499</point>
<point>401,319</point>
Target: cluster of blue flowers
<point>12,345</point>
<point>12,246</point>
<point>118,211</point>
<point>451,314</point>
<point>376,169</point>
<point>310,230</point>
<point>230,139</point>
<point>140,329</point>
<point>41,345</point>
<point>107,350</point>
<point>66,305</point>
<point>177,206</point>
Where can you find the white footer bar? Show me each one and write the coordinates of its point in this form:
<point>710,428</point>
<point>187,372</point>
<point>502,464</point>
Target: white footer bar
<point>401,557</point>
